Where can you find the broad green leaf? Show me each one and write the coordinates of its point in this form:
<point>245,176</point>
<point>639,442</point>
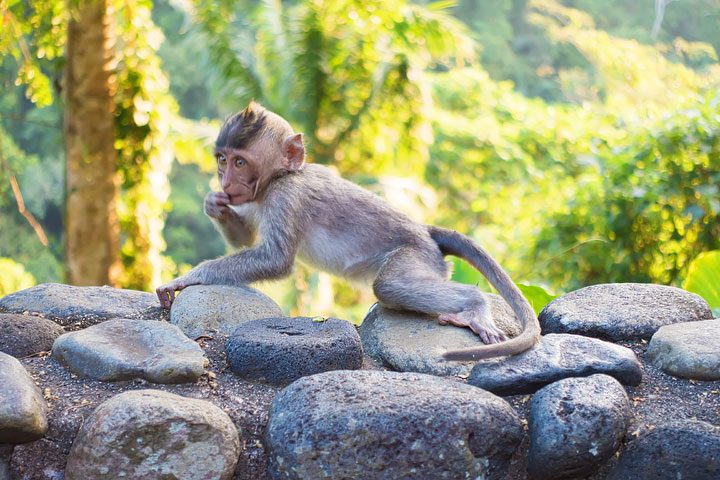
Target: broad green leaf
<point>703,278</point>
<point>537,296</point>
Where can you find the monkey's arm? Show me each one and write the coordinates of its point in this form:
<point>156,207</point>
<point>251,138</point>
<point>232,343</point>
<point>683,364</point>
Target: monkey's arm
<point>233,228</point>
<point>272,258</point>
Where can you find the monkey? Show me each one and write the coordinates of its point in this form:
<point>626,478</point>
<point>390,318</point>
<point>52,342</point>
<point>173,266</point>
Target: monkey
<point>275,207</point>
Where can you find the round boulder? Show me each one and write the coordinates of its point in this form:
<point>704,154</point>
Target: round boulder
<point>686,449</point>
<point>22,335</point>
<point>622,311</point>
<point>81,306</point>
<point>149,434</point>
<point>576,425</point>
<point>205,309</point>
<point>122,349</point>
<point>23,412</point>
<point>555,357</point>
<point>375,424</point>
<point>688,350</point>
<point>281,350</point>
<point>412,342</point>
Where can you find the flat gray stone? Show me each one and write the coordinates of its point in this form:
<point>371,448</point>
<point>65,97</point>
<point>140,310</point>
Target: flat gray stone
<point>622,311</point>
<point>281,350</point>
<point>683,449</point>
<point>688,350</point>
<point>576,425</point>
<point>69,305</point>
<point>411,342</point>
<point>149,435</point>
<point>122,349</point>
<point>205,309</point>
<point>22,335</point>
<point>387,425</point>
<point>555,357</point>
<point>23,411</point>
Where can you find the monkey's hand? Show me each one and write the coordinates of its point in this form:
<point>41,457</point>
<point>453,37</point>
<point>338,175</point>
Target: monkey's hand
<point>216,205</point>
<point>166,293</point>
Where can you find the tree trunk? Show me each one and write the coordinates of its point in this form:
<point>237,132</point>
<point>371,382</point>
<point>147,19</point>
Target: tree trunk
<point>92,183</point>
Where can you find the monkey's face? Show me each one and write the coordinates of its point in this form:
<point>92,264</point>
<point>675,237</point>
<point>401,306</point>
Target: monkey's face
<point>238,173</point>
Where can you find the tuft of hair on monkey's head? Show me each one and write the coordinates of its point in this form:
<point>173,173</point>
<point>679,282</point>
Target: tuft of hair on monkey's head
<point>250,124</point>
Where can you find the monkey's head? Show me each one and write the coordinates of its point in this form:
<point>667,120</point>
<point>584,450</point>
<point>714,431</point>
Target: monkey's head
<point>253,147</point>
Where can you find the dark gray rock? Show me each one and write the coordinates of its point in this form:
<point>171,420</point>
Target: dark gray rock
<point>205,309</point>
<point>149,435</point>
<point>622,311</point>
<point>411,342</point>
<point>684,449</point>
<point>281,350</point>
<point>23,412</point>
<point>5,456</point>
<point>69,305</point>
<point>688,350</point>
<point>22,335</point>
<point>576,425</point>
<point>555,357</point>
<point>121,349</point>
<point>387,425</point>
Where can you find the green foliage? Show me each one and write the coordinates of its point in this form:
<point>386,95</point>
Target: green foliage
<point>537,296</point>
<point>13,277</point>
<point>703,278</point>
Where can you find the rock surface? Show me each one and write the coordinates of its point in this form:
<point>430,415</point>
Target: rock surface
<point>150,434</point>
<point>122,349</point>
<point>684,449</point>
<point>622,311</point>
<point>22,335</point>
<point>69,305</point>
<point>688,350</point>
<point>576,425</point>
<point>388,425</point>
<point>5,455</point>
<point>410,342</point>
<point>204,309</point>
<point>555,357</point>
<point>281,350</point>
<point>23,412</point>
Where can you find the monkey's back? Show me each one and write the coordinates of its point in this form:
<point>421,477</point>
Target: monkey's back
<point>343,228</point>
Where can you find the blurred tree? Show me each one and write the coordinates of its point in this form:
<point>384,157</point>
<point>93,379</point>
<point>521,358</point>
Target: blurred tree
<point>92,183</point>
<point>134,142</point>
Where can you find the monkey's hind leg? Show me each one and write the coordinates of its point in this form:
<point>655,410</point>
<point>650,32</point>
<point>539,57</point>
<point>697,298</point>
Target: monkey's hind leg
<point>413,280</point>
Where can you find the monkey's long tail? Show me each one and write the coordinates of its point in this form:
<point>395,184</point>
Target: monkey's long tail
<point>451,242</point>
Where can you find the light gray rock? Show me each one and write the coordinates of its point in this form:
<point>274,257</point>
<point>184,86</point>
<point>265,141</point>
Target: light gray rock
<point>688,350</point>
<point>149,435</point>
<point>121,349</point>
<point>386,425</point>
<point>22,335</point>
<point>683,449</point>
<point>281,350</point>
<point>555,357</point>
<point>69,305</point>
<point>576,425</point>
<point>205,309</point>
<point>23,412</point>
<point>411,342</point>
<point>622,311</point>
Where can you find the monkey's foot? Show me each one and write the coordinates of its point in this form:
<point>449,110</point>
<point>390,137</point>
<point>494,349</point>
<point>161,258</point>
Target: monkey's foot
<point>482,325</point>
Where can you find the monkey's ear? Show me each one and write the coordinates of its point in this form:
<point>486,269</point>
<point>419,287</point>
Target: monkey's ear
<point>293,152</point>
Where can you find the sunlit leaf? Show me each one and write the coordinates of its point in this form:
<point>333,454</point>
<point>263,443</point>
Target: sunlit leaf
<point>704,278</point>
<point>536,295</point>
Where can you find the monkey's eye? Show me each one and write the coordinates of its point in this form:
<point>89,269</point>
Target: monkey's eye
<point>239,162</point>
<point>221,158</point>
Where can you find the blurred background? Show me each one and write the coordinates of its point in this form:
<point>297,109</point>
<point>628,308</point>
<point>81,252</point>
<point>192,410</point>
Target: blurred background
<point>577,140</point>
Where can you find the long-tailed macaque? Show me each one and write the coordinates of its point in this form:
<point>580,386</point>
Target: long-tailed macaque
<point>274,207</point>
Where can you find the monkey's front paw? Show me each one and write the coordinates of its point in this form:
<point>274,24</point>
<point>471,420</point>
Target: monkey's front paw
<point>166,293</point>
